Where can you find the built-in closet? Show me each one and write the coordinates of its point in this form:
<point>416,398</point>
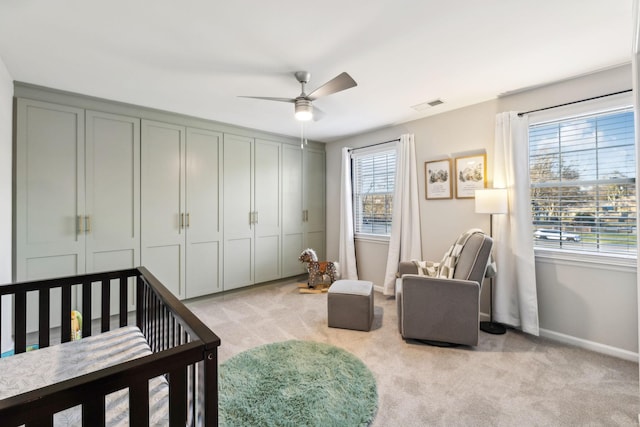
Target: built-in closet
<point>206,206</point>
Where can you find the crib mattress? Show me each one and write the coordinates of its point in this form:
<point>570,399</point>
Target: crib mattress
<point>35,369</point>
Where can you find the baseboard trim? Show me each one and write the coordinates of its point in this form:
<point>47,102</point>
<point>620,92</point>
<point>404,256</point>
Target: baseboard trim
<point>590,345</point>
<point>582,343</point>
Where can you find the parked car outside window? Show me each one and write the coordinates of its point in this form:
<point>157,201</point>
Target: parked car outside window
<point>548,234</point>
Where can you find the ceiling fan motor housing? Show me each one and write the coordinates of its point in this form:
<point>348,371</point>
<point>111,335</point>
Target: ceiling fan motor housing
<point>303,76</point>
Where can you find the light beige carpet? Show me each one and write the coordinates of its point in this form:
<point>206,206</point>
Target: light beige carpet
<point>507,380</point>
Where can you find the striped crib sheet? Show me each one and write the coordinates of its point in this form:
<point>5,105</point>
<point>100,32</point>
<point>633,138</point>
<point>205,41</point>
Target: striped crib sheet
<point>31,370</point>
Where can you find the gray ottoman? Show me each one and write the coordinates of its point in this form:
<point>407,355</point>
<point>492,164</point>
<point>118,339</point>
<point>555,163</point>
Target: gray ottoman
<point>350,304</point>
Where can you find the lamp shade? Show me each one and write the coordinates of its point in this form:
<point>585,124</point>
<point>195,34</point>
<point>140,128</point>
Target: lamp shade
<point>491,201</point>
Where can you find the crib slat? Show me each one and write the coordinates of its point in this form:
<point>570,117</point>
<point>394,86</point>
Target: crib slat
<point>139,404</point>
<point>193,384</point>
<point>124,300</point>
<point>44,301</point>
<point>86,308</point>
<point>66,314</point>
<point>165,328</point>
<point>106,305</point>
<point>157,321</point>
<point>177,396</point>
<point>20,320</point>
<point>141,304</point>
<point>93,412</point>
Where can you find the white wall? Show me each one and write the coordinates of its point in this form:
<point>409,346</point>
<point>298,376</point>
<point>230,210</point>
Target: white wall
<point>6,108</point>
<point>584,305</point>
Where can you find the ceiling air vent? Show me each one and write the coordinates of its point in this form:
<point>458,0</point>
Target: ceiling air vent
<point>425,105</point>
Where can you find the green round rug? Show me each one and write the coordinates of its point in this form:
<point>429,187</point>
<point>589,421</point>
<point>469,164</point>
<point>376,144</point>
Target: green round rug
<point>296,383</point>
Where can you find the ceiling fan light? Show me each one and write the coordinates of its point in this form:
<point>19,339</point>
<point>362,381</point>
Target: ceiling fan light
<point>304,110</point>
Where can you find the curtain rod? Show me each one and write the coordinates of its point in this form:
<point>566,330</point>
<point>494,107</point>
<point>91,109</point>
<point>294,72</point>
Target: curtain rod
<point>574,102</point>
<point>373,145</point>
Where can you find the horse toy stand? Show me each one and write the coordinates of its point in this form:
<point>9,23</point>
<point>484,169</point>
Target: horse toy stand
<point>318,269</point>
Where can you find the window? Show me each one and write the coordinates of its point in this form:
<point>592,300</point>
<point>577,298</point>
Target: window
<point>374,173</point>
<point>583,173</point>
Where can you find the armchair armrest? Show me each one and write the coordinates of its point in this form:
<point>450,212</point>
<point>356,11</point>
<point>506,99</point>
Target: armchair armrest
<point>407,267</point>
<point>438,309</point>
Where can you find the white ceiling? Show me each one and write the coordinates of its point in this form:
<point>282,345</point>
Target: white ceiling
<point>196,56</point>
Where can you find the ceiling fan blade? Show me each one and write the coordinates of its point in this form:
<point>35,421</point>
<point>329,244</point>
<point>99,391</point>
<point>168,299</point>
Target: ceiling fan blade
<point>269,98</point>
<point>318,114</point>
<point>341,82</point>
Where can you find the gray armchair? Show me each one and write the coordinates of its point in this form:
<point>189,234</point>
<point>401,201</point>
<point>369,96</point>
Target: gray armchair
<point>444,310</point>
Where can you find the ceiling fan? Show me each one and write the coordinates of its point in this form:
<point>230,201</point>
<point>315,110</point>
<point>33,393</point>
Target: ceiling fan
<point>303,103</point>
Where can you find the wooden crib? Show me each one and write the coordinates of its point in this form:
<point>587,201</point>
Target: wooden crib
<point>180,354</point>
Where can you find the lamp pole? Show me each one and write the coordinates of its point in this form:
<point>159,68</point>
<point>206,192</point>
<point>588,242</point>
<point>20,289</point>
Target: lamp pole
<point>491,201</point>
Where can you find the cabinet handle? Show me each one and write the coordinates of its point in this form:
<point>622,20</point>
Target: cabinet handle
<point>181,225</point>
<point>303,216</point>
<point>87,224</point>
<point>188,219</point>
<point>79,224</point>
<point>250,218</point>
<point>255,218</point>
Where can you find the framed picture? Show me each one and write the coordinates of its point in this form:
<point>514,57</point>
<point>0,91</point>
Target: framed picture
<point>471,175</point>
<point>438,181</point>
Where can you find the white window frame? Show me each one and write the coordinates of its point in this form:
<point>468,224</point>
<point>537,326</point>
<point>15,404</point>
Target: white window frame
<point>360,153</point>
<point>597,106</point>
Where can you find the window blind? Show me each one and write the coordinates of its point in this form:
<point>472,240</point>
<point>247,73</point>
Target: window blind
<point>373,187</point>
<point>583,174</point>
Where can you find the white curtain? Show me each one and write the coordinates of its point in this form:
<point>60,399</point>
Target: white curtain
<point>405,241</point>
<point>347,250</point>
<point>515,299</point>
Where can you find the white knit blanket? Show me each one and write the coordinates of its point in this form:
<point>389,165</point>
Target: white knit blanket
<point>446,267</point>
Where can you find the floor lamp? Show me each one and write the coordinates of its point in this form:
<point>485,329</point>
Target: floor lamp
<point>491,201</point>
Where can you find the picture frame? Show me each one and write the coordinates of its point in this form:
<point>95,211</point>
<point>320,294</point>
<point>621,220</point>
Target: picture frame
<point>471,175</point>
<point>438,179</point>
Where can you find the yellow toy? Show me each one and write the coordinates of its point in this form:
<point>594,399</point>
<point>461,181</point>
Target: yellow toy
<point>76,325</point>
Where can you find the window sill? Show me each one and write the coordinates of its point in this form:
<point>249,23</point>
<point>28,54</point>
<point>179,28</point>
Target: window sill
<point>372,238</point>
<point>581,259</point>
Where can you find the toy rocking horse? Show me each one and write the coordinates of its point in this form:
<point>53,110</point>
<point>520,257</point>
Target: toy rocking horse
<point>318,269</point>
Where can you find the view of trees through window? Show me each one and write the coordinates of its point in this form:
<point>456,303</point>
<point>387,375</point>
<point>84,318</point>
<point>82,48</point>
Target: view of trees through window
<point>583,175</point>
<point>373,187</point>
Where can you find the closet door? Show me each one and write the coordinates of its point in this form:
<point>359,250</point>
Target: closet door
<point>112,192</point>
<point>49,206</point>
<point>266,220</point>
<point>203,220</point>
<point>112,217</point>
<point>314,201</point>
<point>162,203</point>
<point>238,211</point>
<point>49,197</point>
<point>292,211</point>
